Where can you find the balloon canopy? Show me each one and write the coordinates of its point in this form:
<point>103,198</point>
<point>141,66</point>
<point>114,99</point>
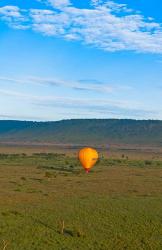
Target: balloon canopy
<point>88,157</point>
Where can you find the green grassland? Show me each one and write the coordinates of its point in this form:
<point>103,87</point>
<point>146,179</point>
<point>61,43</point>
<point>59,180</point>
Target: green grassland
<point>118,205</point>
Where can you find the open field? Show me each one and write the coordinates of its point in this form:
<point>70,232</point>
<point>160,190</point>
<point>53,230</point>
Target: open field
<point>134,152</point>
<point>117,206</point>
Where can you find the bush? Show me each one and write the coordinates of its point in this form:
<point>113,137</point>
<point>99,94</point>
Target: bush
<point>148,162</point>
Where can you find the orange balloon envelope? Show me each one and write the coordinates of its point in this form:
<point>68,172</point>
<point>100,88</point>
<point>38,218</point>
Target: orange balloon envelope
<point>88,157</point>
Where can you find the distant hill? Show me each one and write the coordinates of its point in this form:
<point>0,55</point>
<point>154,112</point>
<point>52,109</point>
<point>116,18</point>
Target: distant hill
<point>84,131</point>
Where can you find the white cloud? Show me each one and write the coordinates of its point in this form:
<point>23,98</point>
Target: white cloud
<point>11,13</point>
<point>14,16</point>
<point>59,3</point>
<point>105,25</point>
<point>112,6</point>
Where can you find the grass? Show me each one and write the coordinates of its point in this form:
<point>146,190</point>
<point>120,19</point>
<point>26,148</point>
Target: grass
<point>48,202</point>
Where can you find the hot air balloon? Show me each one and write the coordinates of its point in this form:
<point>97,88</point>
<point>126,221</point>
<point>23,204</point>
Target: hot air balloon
<point>88,157</point>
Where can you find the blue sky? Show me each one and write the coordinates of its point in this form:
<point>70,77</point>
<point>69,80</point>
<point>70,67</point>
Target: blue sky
<point>62,59</point>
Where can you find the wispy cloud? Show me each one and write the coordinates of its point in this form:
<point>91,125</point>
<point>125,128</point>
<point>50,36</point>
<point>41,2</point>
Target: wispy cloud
<point>20,117</point>
<point>80,85</point>
<point>106,24</point>
<point>91,81</point>
<point>97,108</point>
<point>75,85</point>
<point>50,100</point>
<point>91,106</point>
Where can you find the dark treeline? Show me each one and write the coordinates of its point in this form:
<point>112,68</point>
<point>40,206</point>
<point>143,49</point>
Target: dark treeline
<point>81,131</point>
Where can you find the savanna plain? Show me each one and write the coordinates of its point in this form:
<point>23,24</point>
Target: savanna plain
<point>48,202</point>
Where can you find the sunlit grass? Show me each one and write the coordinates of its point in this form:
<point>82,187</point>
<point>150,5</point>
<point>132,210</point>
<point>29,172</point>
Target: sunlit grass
<point>48,202</point>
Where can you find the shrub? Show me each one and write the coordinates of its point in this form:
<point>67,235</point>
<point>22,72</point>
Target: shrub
<point>148,162</point>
